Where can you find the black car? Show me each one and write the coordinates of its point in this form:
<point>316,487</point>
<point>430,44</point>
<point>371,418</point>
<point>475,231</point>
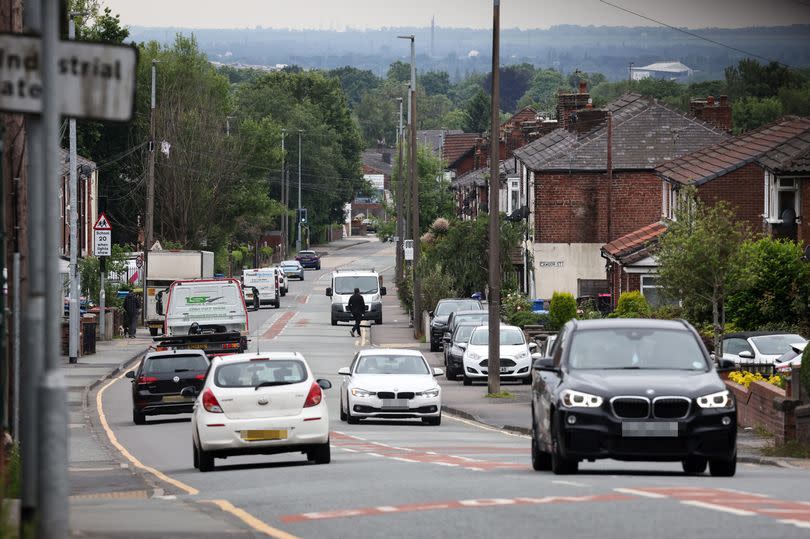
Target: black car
<point>635,390</point>
<point>454,349</point>
<point>439,316</point>
<point>159,379</point>
<point>464,316</point>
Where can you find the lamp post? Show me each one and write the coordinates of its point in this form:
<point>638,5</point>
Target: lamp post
<point>298,238</point>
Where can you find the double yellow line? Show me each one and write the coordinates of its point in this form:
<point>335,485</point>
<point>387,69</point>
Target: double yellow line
<point>251,521</point>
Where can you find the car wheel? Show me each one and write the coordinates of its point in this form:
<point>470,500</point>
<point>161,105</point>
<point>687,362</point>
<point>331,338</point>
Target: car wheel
<point>723,467</point>
<point>559,464</point>
<point>434,421</point>
<point>378,321</point>
<point>318,267</point>
<point>541,461</point>
<point>153,332</point>
<point>343,416</point>
<point>334,322</point>
<point>694,465</point>
<point>277,304</point>
<point>205,460</point>
<point>196,457</point>
<point>302,276</point>
<point>351,419</point>
<point>528,380</point>
<point>320,454</point>
<point>434,346</point>
<point>450,374</point>
<point>139,418</point>
<point>467,380</point>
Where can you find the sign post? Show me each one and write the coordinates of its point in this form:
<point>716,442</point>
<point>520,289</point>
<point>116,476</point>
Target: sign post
<point>102,247</point>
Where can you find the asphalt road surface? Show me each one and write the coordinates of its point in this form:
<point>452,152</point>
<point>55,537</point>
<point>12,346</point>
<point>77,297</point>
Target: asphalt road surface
<point>403,479</point>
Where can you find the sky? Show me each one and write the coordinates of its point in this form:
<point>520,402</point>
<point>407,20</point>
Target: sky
<point>362,14</point>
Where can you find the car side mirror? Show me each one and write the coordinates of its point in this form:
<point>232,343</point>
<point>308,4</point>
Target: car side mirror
<point>437,371</point>
<point>324,383</point>
<point>462,345</point>
<point>188,392</point>
<point>345,371</point>
<point>159,303</point>
<point>329,292</point>
<point>130,374</point>
<point>533,347</point>
<point>746,354</point>
<point>430,314</point>
<point>535,357</point>
<point>446,337</point>
<point>383,291</point>
<point>545,364</point>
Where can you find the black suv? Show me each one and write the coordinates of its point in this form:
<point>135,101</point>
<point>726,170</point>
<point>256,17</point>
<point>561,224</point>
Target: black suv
<point>159,379</point>
<point>635,390</point>
<point>439,316</point>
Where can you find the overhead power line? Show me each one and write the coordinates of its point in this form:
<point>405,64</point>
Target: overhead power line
<point>693,34</point>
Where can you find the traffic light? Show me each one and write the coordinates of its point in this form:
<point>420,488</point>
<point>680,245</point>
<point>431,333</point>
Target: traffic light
<point>303,216</point>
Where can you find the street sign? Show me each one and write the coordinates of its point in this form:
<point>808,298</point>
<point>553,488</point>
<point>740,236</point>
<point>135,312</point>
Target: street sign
<point>102,236</point>
<point>407,246</point>
<point>95,80</point>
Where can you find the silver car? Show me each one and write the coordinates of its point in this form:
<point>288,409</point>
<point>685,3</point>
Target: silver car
<point>293,268</point>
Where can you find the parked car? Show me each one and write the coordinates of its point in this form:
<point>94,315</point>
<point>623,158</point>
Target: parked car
<point>516,355</point>
<point>233,415</point>
<point>790,360</point>
<point>309,259</point>
<point>283,282</point>
<point>158,381</point>
<point>463,316</point>
<point>631,389</point>
<point>390,383</point>
<point>293,268</point>
<point>454,347</point>
<point>439,316</point>
<point>758,347</point>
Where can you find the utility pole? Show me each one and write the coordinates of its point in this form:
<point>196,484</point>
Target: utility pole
<point>609,163</point>
<point>494,356</point>
<point>298,238</point>
<point>284,217</point>
<point>52,489</point>
<point>629,76</point>
<point>150,194</point>
<point>73,318</point>
<point>400,258</point>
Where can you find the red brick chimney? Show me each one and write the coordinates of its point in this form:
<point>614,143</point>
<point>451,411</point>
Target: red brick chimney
<point>583,87</point>
<point>717,113</point>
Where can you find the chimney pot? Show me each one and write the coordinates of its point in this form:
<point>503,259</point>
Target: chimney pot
<point>710,101</point>
<point>583,87</point>
<point>723,100</point>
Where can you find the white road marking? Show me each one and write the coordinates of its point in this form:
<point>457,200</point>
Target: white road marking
<point>349,449</point>
<point>374,454</point>
<point>484,427</point>
<point>641,493</point>
<point>797,523</point>
<point>707,505</point>
<point>404,459</point>
<point>570,483</point>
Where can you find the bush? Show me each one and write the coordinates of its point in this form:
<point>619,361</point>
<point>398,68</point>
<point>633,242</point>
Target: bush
<point>436,286</point>
<point>405,291</point>
<point>805,371</point>
<point>522,319</point>
<point>632,305</point>
<point>563,308</point>
<point>745,378</point>
<point>668,312</point>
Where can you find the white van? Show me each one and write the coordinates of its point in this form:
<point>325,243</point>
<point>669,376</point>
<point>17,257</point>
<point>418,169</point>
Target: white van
<point>266,281</point>
<point>343,284</point>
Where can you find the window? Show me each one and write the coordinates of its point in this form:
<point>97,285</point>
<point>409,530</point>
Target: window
<point>669,201</point>
<point>636,349</point>
<point>781,199</point>
<point>736,345</point>
<point>265,372</point>
<point>651,290</point>
<point>513,202</point>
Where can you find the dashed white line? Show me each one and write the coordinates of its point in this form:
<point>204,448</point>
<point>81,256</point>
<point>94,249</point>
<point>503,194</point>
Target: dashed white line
<point>642,493</point>
<point>570,483</point>
<point>707,505</point>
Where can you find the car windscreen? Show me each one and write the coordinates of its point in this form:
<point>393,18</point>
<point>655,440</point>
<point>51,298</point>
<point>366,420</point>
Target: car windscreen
<point>175,363</point>
<point>205,301</point>
<point>636,349</point>
<point>772,345</point>
<point>367,284</point>
<point>391,364</point>
<point>266,372</point>
<point>509,337</point>
<point>462,333</point>
<point>446,307</point>
<point>462,318</point>
<point>289,265</point>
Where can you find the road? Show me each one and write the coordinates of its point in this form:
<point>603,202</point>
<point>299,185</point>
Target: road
<point>461,479</point>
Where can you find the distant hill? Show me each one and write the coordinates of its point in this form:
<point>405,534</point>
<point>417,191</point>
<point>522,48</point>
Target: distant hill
<point>461,51</point>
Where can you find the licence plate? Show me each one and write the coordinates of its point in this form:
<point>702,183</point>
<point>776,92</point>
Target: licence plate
<point>175,398</point>
<point>395,403</point>
<point>650,429</point>
<point>263,435</point>
<point>197,346</point>
<point>505,369</point>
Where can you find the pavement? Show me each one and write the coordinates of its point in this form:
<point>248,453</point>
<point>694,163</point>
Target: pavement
<point>513,413</point>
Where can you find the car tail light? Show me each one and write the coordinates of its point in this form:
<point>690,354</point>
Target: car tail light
<point>230,345</point>
<point>210,402</point>
<point>147,379</point>
<point>200,377</point>
<point>314,397</point>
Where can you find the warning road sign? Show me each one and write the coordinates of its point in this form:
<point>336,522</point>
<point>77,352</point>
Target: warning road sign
<point>102,223</point>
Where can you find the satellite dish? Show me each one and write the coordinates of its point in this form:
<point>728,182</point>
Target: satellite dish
<point>789,216</point>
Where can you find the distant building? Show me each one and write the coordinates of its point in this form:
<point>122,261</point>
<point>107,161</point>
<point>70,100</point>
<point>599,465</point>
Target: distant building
<point>662,70</point>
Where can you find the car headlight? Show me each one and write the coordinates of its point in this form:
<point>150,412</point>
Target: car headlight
<point>357,392</point>
<point>521,355</point>
<point>721,399</point>
<point>578,399</point>
<point>473,356</point>
<point>429,393</point>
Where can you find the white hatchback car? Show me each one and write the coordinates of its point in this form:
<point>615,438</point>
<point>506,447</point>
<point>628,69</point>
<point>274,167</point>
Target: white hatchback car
<point>262,404</point>
<point>516,355</point>
<point>390,383</point>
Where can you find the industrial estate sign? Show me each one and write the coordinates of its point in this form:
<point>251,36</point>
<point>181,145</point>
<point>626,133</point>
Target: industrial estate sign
<point>94,80</point>
<point>102,236</point>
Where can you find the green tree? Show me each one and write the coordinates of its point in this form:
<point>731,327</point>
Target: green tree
<point>562,309</point>
<point>515,81</point>
<point>542,93</point>
<point>399,72</point>
<point>699,256</point>
<point>749,78</point>
<point>776,285</point>
<point>632,305</point>
<point>454,119</point>
<point>436,82</point>
<point>752,112</point>
<point>477,111</point>
<point>435,198</point>
<point>355,82</point>
<point>378,117</point>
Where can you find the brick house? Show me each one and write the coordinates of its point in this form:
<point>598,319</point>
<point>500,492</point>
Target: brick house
<point>377,169</point>
<point>594,180</point>
<point>87,198</point>
<point>764,175</point>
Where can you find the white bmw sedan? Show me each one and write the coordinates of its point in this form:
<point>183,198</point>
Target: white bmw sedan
<point>516,355</point>
<point>390,383</point>
<point>263,404</point>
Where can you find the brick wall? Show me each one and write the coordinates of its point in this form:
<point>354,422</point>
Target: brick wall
<point>803,233</point>
<point>573,208</point>
<point>717,113</point>
<point>743,189</point>
<point>767,406</point>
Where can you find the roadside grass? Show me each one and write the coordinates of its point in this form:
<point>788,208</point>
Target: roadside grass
<point>789,449</point>
<point>762,432</point>
<point>500,395</point>
<point>11,490</point>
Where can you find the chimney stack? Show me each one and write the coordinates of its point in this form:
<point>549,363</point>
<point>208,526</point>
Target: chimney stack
<point>717,113</point>
<point>583,87</point>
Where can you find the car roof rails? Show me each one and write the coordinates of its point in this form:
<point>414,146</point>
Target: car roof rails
<point>355,270</point>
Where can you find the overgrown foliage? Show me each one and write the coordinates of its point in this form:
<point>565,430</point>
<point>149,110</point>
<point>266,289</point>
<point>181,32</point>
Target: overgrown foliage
<point>562,309</point>
<point>632,305</point>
